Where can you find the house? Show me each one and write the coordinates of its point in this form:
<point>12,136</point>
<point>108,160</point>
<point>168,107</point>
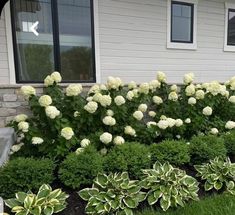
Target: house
<point>89,40</point>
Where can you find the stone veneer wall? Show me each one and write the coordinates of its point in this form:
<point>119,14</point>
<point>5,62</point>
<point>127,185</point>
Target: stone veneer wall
<point>12,103</point>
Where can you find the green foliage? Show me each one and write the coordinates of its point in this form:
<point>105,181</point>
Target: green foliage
<point>205,148</point>
<point>169,186</point>
<point>130,157</point>
<point>45,202</point>
<point>80,170</point>
<point>174,152</point>
<point>113,194</point>
<point>23,174</point>
<point>218,174</point>
<point>229,141</point>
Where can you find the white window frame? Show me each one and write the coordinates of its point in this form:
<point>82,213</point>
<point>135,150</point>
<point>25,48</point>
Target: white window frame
<point>227,48</point>
<point>11,60</point>
<point>176,45</point>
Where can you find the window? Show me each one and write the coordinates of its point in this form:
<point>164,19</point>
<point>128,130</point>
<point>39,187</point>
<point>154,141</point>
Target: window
<point>53,35</point>
<point>182,24</point>
<point>229,43</point>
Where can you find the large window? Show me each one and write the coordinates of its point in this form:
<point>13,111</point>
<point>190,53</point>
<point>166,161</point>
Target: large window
<point>231,27</point>
<point>53,35</point>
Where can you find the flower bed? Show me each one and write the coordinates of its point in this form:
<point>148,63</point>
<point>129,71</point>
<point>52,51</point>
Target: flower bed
<point>150,133</point>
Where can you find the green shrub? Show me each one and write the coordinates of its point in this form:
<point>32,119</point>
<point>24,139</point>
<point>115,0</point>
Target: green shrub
<point>80,170</point>
<point>23,174</point>
<point>205,148</point>
<point>169,186</point>
<point>218,174</point>
<point>113,194</point>
<point>229,141</point>
<point>47,201</point>
<point>129,157</point>
<point>174,152</point>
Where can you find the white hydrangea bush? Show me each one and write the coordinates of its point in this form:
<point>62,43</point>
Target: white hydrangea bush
<point>111,114</point>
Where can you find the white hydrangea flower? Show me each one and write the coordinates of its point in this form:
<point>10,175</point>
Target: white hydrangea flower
<point>144,88</point>
<point>52,112</point>
<point>48,81</point>
<point>105,100</point>
<point>138,115</point>
<point>192,101</point>
<point>56,77</point>
<point>114,83</point>
<point>136,92</point>
<point>171,122</point>
<point>129,131</point>
<point>232,99</point>
<point>198,86</point>
<point>132,85</point>
<point>215,88</point>
<point>214,131</point>
<point>27,91</point>
<point>103,87</point>
<point>130,95</point>
<point>23,126</point>
<point>143,108</point>
<point>94,89</point>
<point>76,114</point>
<point>21,118</point>
<point>37,140</point>
<point>103,151</point>
<point>85,142</point>
<point>151,123</point>
<point>119,100</point>
<point>157,100</point>
<point>190,90</point>
<point>97,97</point>
<point>154,84</point>
<point>174,88</point>
<point>152,114</point>
<point>207,111</point>
<point>89,98</point>
<point>163,124</point>
<point>200,94</point>
<point>118,140</point>
<point>16,148</point>
<point>173,96</point>
<point>106,138</point>
<point>45,101</point>
<point>163,117</point>
<point>91,107</point>
<point>188,121</point>
<point>110,113</point>
<point>161,77</point>
<point>67,133</point>
<point>110,121</point>
<point>188,78</point>
<point>79,151</point>
<point>178,122</point>
<point>74,90</point>
<point>230,125</point>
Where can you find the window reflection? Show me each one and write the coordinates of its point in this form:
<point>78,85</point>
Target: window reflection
<point>231,27</point>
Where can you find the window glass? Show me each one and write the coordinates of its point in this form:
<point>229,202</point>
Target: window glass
<point>75,31</point>
<point>231,27</point>
<point>182,22</point>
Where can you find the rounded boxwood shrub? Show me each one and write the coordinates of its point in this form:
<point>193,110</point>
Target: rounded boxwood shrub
<point>205,148</point>
<point>24,174</point>
<point>129,157</point>
<point>77,171</point>
<point>174,152</point>
<point>229,141</point>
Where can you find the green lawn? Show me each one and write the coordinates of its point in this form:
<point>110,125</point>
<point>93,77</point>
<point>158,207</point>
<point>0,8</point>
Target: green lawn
<point>216,205</point>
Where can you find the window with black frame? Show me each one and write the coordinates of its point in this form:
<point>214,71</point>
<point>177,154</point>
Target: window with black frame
<point>182,21</point>
<point>53,35</point>
<point>231,27</point>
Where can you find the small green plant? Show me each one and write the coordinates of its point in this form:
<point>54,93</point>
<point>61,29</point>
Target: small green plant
<point>229,141</point>
<point>168,185</point>
<point>174,152</point>
<point>218,174</point>
<point>23,174</point>
<point>113,194</point>
<point>130,157</point>
<point>204,148</point>
<point>45,202</point>
<point>81,170</point>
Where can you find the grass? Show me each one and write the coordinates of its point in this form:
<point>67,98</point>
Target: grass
<point>215,205</point>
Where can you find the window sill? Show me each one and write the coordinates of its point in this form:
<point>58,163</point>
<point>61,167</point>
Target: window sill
<point>184,46</point>
<point>229,48</point>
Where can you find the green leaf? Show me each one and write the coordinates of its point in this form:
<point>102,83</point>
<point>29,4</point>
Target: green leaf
<point>152,199</point>
<point>12,203</point>
<point>36,210</point>
<point>48,210</point>
<point>17,209</point>
<point>165,204</point>
<point>128,211</point>
<point>84,194</point>
<point>43,193</point>
<point>55,193</point>
<point>101,180</point>
<point>29,201</point>
<point>21,196</point>
<point>208,186</point>
<point>230,185</point>
<point>115,204</point>
<point>130,202</point>
<point>100,208</point>
<point>218,185</point>
<point>59,208</point>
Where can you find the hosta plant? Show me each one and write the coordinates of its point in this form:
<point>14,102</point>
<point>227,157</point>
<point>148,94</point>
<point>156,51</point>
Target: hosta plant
<point>218,174</point>
<point>45,202</point>
<point>168,185</point>
<point>113,194</point>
